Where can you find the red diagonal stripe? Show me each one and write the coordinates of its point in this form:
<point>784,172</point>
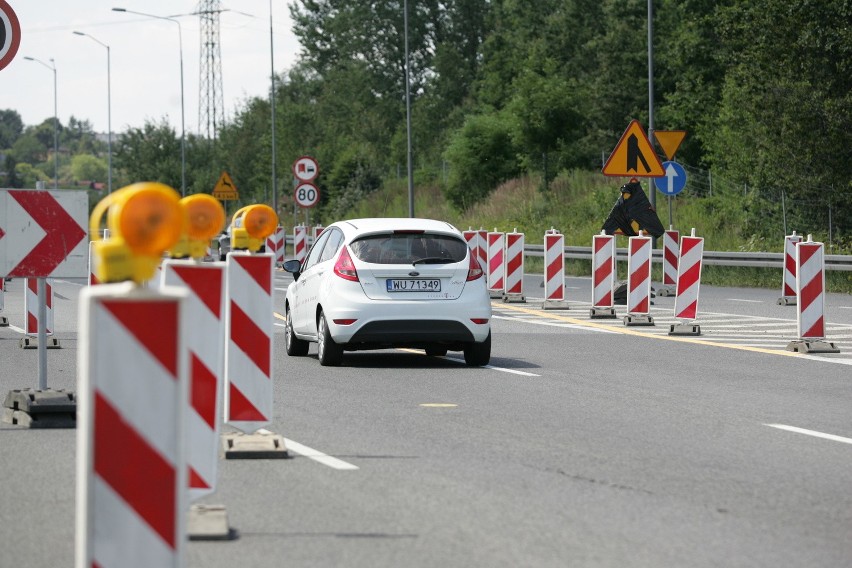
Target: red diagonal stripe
<point>154,324</point>
<point>63,233</point>
<point>514,263</point>
<point>817,329</point>
<point>806,251</point>
<point>600,243</point>
<point>250,338</point>
<point>206,283</point>
<point>134,470</point>
<point>687,244</point>
<point>811,291</point>
<point>642,307</point>
<point>241,409</point>
<point>639,275</point>
<point>203,393</point>
<point>689,311</point>
<point>196,481</point>
<point>689,277</point>
<point>603,271</point>
<point>259,268</point>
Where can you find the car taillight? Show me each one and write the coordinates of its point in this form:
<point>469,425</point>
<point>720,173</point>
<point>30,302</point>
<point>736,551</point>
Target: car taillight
<point>474,271</point>
<point>479,321</point>
<point>345,321</point>
<point>344,267</point>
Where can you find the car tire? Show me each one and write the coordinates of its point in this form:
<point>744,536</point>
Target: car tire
<point>478,354</point>
<point>295,347</point>
<point>330,353</point>
<point>436,350</point>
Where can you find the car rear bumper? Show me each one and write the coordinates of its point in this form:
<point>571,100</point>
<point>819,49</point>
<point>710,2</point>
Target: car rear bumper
<point>405,332</point>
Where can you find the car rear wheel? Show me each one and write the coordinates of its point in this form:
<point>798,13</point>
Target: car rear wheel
<point>478,354</point>
<point>295,347</point>
<point>330,353</point>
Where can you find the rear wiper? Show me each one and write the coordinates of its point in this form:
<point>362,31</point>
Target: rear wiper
<point>434,260</point>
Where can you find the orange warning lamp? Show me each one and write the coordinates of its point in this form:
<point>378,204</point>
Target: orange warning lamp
<point>205,219</point>
<point>251,225</point>
<point>145,220</point>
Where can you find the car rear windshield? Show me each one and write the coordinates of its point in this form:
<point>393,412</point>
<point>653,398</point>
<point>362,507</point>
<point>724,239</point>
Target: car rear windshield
<point>409,248</point>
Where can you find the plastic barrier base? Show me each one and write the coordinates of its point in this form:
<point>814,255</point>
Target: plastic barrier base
<point>40,408</point>
<point>819,346</point>
<point>555,305</point>
<point>253,446</point>
<point>209,522</point>
<point>787,301</point>
<point>4,321</point>
<point>602,313</point>
<point>638,319</point>
<point>495,294</point>
<point>514,299</point>
<point>685,329</point>
<point>32,343</point>
<point>666,291</point>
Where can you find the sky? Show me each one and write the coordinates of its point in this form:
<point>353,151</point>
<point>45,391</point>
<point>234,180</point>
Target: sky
<point>144,63</point>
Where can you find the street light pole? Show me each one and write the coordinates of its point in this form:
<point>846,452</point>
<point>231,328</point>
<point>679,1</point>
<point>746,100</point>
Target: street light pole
<point>52,67</point>
<point>408,116</point>
<point>109,111</point>
<point>272,105</point>
<point>182,113</point>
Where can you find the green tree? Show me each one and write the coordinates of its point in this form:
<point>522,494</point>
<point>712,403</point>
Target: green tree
<point>85,167</point>
<point>11,127</point>
<point>150,153</point>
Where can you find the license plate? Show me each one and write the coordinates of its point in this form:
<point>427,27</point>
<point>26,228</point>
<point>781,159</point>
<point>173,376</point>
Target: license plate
<point>414,285</point>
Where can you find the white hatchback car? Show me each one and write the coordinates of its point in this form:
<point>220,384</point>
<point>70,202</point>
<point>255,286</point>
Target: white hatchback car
<point>384,283</point>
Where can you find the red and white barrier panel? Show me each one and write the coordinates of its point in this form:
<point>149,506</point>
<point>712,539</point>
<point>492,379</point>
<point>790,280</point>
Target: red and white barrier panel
<point>639,281</point>
<point>603,276</point>
<point>205,285</point>
<point>472,239</point>
<point>688,285</point>
<point>788,284</point>
<point>317,231</point>
<point>671,242</point>
<point>275,244</point>
<point>248,351</point>
<point>483,250</point>
<point>810,289</point>
<point>300,242</point>
<point>514,267</point>
<point>31,307</point>
<point>131,466</point>
<point>554,271</point>
<point>496,269</point>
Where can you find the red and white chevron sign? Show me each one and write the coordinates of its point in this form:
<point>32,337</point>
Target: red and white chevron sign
<point>43,234</point>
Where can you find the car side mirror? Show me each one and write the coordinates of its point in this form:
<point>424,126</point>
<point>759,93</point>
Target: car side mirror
<point>294,267</point>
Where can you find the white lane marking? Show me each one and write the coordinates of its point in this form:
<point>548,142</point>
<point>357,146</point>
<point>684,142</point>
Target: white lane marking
<point>554,324</point>
<point>16,328</point>
<point>813,433</point>
<point>749,301</point>
<point>493,368</point>
<point>282,289</point>
<point>280,324</point>
<point>316,455</point>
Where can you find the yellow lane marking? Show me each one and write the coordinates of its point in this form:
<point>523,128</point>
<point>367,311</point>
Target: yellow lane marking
<point>626,331</point>
<point>279,316</point>
<point>438,405</point>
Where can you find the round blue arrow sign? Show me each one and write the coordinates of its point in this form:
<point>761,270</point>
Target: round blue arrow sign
<point>674,181</point>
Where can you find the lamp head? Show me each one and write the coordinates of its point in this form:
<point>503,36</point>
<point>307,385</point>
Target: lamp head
<point>78,33</point>
<point>119,10</point>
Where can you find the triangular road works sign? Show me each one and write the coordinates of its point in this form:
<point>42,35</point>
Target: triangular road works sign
<point>670,141</point>
<point>225,189</point>
<point>633,155</point>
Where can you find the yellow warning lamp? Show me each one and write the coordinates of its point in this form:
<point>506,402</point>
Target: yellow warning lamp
<point>251,225</point>
<point>205,219</point>
<point>144,220</point>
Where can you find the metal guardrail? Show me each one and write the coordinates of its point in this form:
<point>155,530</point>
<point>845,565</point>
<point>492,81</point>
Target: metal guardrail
<point>749,259</point>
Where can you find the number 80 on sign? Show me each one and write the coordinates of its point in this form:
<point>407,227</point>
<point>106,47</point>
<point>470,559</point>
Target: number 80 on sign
<point>306,194</point>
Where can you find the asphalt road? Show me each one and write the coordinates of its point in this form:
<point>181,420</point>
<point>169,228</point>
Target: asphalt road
<point>584,443</point>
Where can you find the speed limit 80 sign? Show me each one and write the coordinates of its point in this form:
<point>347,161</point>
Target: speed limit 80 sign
<point>306,194</point>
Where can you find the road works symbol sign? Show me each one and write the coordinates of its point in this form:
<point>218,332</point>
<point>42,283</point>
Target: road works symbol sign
<point>42,233</point>
<point>633,155</point>
<point>225,189</point>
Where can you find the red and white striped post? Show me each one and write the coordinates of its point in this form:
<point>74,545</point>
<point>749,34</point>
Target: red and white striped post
<point>554,271</point>
<point>603,276</point>
<point>483,250</point>
<point>275,245</point>
<point>514,268</point>
<point>810,289</point>
<point>317,231</point>
<point>31,309</point>
<point>496,269</point>
<point>639,281</point>
<point>472,239</point>
<point>248,352</point>
<point>131,465</point>
<point>671,242</point>
<point>788,283</point>
<point>300,242</point>
<point>205,341</point>
<point>688,285</point>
